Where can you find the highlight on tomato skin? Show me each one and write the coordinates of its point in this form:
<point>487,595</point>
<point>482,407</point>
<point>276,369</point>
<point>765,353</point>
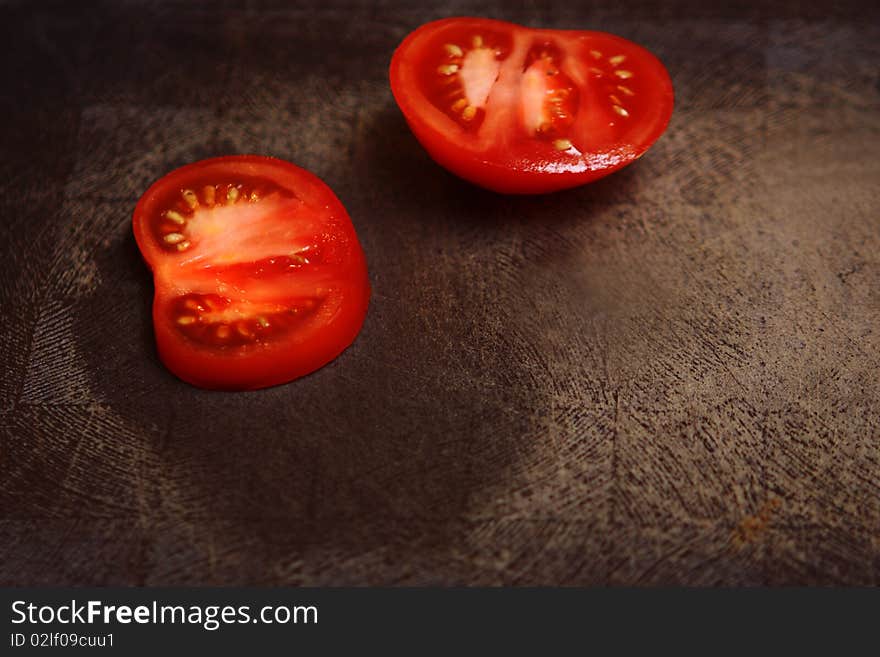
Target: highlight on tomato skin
<point>521,110</point>
<point>259,275</point>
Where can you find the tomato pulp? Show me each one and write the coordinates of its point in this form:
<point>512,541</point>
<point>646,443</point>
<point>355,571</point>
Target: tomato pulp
<point>259,274</point>
<point>521,110</point>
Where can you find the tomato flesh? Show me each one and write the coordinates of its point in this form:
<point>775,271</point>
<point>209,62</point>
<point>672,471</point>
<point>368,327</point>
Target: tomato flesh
<point>549,97</point>
<point>464,74</point>
<point>215,320</point>
<point>259,275</point>
<point>521,110</point>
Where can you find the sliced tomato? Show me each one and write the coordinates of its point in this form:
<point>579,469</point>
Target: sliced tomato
<point>259,274</point>
<point>521,110</point>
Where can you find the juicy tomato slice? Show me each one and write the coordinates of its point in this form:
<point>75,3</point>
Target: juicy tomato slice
<point>521,110</point>
<point>259,275</point>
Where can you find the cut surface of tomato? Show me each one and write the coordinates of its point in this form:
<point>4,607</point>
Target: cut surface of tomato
<point>522,110</point>
<point>259,275</point>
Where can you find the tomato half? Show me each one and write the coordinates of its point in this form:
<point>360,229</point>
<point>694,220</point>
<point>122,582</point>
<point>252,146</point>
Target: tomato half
<point>259,274</point>
<point>520,110</point>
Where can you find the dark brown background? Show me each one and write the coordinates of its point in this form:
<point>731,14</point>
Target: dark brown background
<point>669,376</point>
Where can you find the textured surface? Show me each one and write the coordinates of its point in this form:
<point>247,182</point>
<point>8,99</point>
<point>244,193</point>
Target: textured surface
<point>670,376</point>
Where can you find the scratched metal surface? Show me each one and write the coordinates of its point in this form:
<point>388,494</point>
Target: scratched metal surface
<point>670,376</point>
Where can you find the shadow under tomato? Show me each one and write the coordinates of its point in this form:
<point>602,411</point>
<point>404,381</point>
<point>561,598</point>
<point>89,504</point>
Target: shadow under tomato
<point>402,173</point>
<point>362,472</point>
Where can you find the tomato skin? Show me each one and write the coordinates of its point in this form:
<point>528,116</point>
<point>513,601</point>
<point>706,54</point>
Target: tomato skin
<point>313,344</point>
<point>505,180</point>
<point>512,165</point>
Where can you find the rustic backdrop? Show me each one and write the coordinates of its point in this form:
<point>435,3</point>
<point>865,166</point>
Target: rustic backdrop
<point>666,377</point>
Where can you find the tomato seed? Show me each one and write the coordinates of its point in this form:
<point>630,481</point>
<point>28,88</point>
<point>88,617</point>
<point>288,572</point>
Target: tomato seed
<point>176,217</point>
<point>191,199</point>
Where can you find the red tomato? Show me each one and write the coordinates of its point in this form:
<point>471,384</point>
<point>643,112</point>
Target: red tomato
<point>259,275</point>
<point>522,111</point>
